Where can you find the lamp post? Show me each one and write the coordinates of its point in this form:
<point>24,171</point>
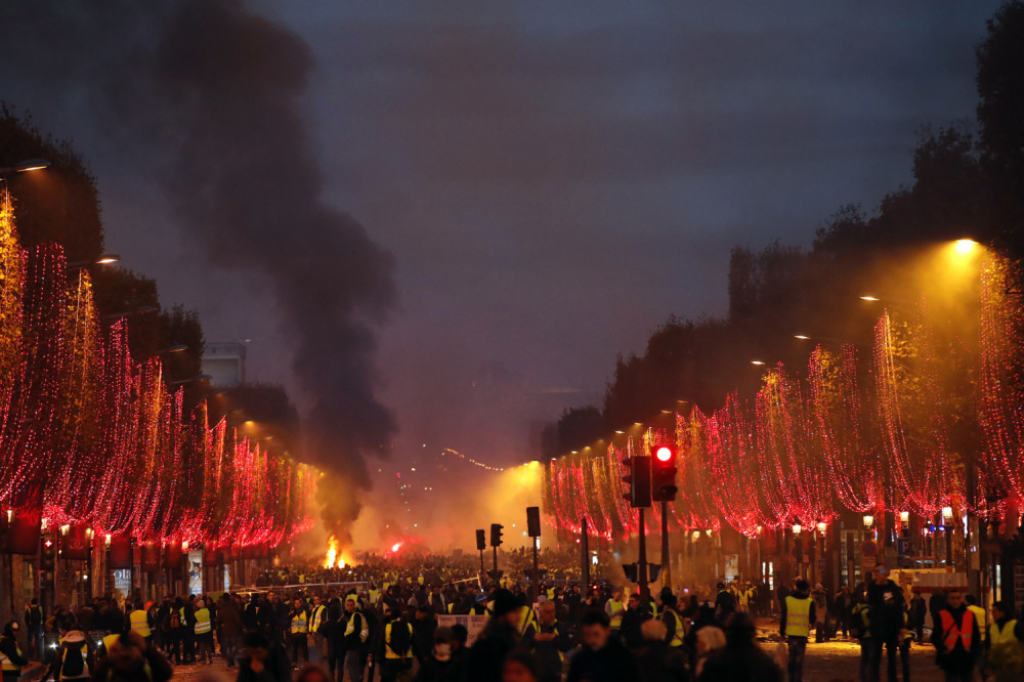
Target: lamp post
<point>24,166</point>
<point>947,530</point>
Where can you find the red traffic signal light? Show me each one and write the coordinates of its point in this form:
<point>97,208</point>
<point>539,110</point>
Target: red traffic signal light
<point>663,474</point>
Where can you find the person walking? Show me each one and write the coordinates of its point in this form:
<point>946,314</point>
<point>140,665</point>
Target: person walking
<point>1005,644</point>
<point>918,612</point>
<point>602,657</point>
<point>34,628</point>
<point>885,599</point>
<point>548,640</point>
<point>957,639</point>
<point>203,631</point>
<point>821,633</point>
<point>795,627</point>
<point>11,659</point>
<point>357,631</point>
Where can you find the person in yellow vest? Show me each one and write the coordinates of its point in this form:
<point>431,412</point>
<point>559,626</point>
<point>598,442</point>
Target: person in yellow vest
<point>526,617</point>
<point>73,657</point>
<point>397,645</point>
<point>957,640</point>
<point>614,607</point>
<point>11,659</point>
<point>860,629</point>
<point>317,619</point>
<point>203,632</point>
<point>548,640</point>
<point>981,618</point>
<point>356,633</point>
<point>1005,644</point>
<point>675,625</point>
<point>299,628</point>
<point>138,620</point>
<point>795,627</point>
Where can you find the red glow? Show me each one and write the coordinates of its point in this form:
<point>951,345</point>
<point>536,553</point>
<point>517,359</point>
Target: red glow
<point>664,454</point>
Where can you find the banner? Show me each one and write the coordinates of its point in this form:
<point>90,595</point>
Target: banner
<point>120,552</point>
<point>151,556</point>
<point>75,545</point>
<point>473,624</point>
<point>26,532</point>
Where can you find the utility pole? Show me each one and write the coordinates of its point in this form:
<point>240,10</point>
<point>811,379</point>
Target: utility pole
<point>584,556</point>
<point>666,557</point>
<point>645,591</point>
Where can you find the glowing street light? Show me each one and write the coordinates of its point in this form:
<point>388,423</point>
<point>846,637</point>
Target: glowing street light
<point>759,363</point>
<point>797,529</point>
<point>964,246</point>
<point>869,521</point>
<point>822,527</point>
<point>25,166</point>
<point>105,259</point>
<point>802,337</point>
<point>870,298</point>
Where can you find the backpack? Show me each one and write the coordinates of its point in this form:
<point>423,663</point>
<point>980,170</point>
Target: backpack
<point>72,663</point>
<point>175,619</point>
<point>400,640</point>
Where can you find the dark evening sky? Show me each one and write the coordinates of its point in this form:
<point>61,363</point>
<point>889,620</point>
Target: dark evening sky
<point>555,179</point>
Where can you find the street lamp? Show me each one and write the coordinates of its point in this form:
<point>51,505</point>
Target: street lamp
<point>25,166</point>
<point>964,246</point>
<point>759,363</point>
<point>947,529</point>
<point>869,521</point>
<point>822,528</point>
<point>796,529</point>
<point>105,259</point>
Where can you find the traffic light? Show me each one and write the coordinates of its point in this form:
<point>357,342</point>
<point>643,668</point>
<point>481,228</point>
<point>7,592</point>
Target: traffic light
<point>533,522</point>
<point>48,561</point>
<point>496,534</point>
<point>663,474</point>
<point>481,539</point>
<point>638,477</point>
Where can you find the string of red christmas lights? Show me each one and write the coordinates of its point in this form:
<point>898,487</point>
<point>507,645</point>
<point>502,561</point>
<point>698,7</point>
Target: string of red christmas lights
<point>806,449</point>
<point>90,438</point>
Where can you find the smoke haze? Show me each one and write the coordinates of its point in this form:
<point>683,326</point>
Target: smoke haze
<point>210,94</point>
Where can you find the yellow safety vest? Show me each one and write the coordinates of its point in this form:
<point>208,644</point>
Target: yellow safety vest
<point>202,621</point>
<point>6,663</point>
<point>140,622</point>
<point>374,596</point>
<point>85,664</point>
<point>350,629</point>
<point>525,618</point>
<point>109,640</point>
<point>319,615</point>
<point>798,617</point>
<point>865,609</point>
<point>982,618</point>
<point>300,623</point>
<point>388,653</point>
<point>615,609</point>
<point>680,633</point>
<point>1004,636</point>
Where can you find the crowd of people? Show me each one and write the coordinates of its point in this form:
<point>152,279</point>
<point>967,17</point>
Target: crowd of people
<point>393,631</point>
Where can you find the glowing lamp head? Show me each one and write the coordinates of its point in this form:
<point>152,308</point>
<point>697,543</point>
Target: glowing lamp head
<point>905,517</point>
<point>964,246</point>
<point>397,546</point>
<point>822,527</point>
<point>869,521</point>
<point>797,529</point>
<point>947,513</point>
<point>663,454</point>
<point>869,298</point>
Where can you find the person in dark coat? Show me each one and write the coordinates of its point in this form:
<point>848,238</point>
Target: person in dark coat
<point>658,662</point>
<point>548,640</point>
<point>263,661</point>
<point>602,658</point>
<point>500,637</point>
<point>9,648</point>
<point>132,659</point>
<point>632,619</point>
<point>423,626</point>
<point>742,660</point>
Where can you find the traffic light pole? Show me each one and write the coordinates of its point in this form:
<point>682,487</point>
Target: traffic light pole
<point>495,562</point>
<point>666,558</point>
<point>536,573</point>
<point>645,590</point>
<point>481,562</point>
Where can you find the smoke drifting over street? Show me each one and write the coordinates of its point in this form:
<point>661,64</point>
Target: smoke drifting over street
<point>210,93</point>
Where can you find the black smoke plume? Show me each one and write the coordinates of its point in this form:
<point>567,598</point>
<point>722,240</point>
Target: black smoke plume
<point>214,92</point>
